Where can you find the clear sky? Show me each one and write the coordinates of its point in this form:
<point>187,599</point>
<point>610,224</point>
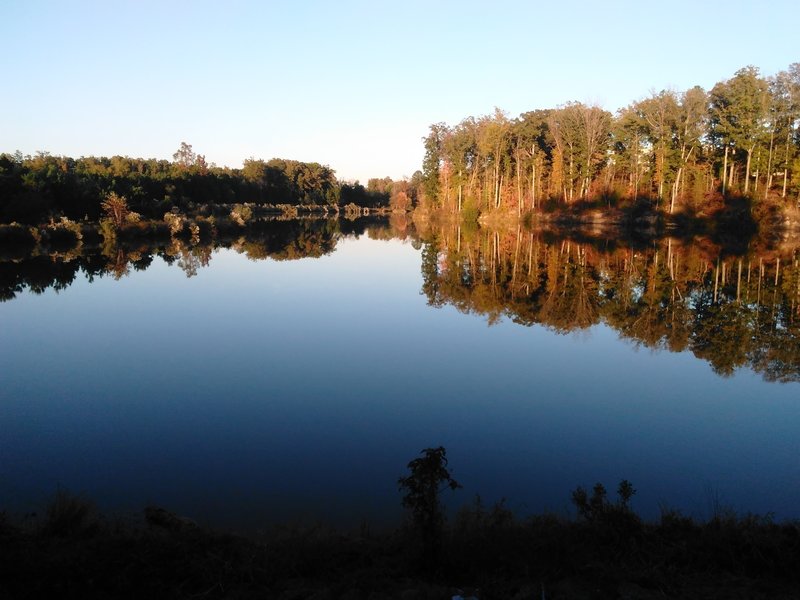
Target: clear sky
<point>352,84</point>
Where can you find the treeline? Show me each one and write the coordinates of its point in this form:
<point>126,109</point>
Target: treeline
<point>34,189</point>
<point>680,150</point>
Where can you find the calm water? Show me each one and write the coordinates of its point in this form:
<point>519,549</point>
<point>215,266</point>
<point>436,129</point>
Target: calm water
<point>257,391</point>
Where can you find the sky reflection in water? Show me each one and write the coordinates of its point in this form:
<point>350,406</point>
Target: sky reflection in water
<point>261,391</point>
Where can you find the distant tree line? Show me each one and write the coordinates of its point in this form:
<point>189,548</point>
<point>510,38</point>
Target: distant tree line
<point>678,149</point>
<point>36,188</point>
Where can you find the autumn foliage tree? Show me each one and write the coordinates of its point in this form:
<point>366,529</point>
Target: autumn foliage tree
<point>673,149</point>
<point>116,209</point>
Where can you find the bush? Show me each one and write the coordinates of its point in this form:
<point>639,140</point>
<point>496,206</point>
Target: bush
<point>17,235</point>
<point>63,234</point>
<point>429,477</point>
<point>598,509</point>
<point>68,515</point>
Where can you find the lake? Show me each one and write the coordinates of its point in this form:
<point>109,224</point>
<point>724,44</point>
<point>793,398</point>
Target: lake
<point>293,377</point>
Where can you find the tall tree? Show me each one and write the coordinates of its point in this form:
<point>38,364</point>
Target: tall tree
<point>689,131</point>
<point>785,112</point>
<point>660,113</point>
<point>432,161</point>
<point>739,112</point>
<point>629,136</point>
<point>581,135</point>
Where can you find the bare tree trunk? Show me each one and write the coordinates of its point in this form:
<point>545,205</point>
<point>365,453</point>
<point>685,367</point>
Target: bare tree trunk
<point>459,191</point>
<point>747,171</point>
<point>446,186</point>
<point>675,189</point>
<point>497,181</point>
<point>473,177</point>
<point>499,192</point>
<point>786,163</point>
<point>571,168</point>
<point>725,171</point>
<point>519,184</point>
<point>485,189</point>
<point>732,168</point>
<point>769,164</point>
<point>533,177</point>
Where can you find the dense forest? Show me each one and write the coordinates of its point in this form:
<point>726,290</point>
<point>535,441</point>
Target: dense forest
<point>672,153</point>
<point>680,151</point>
<point>34,189</point>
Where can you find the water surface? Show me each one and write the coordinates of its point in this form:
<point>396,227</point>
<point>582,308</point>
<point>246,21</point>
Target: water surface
<point>257,391</point>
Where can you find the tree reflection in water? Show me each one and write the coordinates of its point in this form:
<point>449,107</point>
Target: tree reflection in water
<point>731,310</point>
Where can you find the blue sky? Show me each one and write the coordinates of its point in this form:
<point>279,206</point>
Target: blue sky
<point>350,84</point>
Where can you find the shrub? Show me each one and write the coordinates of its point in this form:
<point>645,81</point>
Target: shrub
<point>116,208</point>
<point>597,507</point>
<point>63,234</point>
<point>68,515</point>
<point>16,234</point>
<point>429,477</point>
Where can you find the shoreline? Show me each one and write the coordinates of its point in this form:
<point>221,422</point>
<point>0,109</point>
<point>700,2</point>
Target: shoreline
<point>72,551</point>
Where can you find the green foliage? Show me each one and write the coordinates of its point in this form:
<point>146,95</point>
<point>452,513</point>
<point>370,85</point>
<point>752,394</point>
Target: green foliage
<point>35,189</point>
<point>739,112</point>
<point>430,163</point>
<point>671,146</point>
<point>470,214</point>
<point>186,159</point>
<point>296,182</point>
<point>357,195</point>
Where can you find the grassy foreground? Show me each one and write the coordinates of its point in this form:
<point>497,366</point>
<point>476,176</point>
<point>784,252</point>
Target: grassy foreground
<point>606,552</point>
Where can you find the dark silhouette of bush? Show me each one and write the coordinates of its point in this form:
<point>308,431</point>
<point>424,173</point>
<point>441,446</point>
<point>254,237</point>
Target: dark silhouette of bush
<point>78,555</point>
<point>598,510</point>
<point>429,477</point>
<point>69,515</point>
